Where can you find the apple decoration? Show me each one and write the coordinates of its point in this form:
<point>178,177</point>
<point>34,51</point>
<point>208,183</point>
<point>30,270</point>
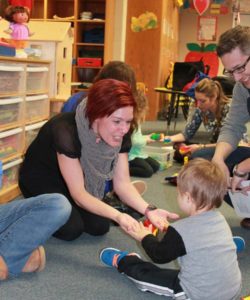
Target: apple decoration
<point>205,53</point>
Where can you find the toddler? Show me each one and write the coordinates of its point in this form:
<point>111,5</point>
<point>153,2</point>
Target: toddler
<point>202,243</point>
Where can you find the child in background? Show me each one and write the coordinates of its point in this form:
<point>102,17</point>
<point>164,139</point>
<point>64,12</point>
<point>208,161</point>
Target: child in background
<point>202,243</point>
<point>140,164</point>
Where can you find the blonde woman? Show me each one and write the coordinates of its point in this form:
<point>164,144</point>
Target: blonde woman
<point>210,108</point>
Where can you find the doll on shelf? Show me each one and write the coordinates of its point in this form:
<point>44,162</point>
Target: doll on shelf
<point>18,16</point>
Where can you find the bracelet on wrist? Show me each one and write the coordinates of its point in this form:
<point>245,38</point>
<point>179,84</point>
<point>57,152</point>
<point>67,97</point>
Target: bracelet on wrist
<point>237,173</point>
<point>149,208</point>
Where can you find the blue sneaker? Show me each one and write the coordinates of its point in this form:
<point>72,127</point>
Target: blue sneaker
<point>240,243</point>
<point>112,256</point>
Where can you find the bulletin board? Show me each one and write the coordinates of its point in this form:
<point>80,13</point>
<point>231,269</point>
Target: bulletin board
<point>207,28</point>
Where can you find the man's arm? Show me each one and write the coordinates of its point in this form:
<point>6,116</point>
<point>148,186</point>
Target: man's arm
<point>222,151</point>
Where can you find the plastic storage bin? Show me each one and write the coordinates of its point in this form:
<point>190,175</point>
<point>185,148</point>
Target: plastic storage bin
<point>164,155</point>
<point>37,79</point>
<point>11,112</point>
<point>11,143</point>
<point>36,108</point>
<point>10,173</point>
<point>95,35</point>
<point>89,62</point>
<point>31,132</point>
<point>11,79</point>
<point>1,174</point>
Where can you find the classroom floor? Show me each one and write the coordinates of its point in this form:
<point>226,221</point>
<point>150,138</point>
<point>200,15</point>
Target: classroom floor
<point>73,269</point>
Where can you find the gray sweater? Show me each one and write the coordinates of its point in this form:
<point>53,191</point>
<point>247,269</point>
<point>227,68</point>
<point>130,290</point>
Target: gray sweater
<point>234,126</point>
<point>209,270</point>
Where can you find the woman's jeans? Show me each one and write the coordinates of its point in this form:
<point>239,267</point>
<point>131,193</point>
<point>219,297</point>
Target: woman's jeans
<point>26,224</point>
<point>239,154</point>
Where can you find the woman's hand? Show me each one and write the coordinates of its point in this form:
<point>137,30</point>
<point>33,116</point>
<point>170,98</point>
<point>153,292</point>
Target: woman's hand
<point>159,218</point>
<point>139,231</point>
<point>195,147</point>
<point>126,222</point>
<point>236,184</point>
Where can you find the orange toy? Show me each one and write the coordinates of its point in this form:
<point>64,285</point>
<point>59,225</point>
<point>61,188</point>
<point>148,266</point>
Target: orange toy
<point>147,223</point>
<point>184,149</point>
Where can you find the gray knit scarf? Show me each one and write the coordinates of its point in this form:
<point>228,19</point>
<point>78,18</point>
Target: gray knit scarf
<point>97,160</point>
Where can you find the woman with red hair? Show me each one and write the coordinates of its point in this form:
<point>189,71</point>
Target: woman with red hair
<point>77,153</point>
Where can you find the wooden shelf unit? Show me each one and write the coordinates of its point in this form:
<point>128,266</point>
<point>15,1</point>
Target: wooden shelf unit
<point>70,10</point>
<point>24,100</point>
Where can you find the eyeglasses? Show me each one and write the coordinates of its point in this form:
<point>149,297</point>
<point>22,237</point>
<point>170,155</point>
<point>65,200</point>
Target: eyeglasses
<point>237,70</point>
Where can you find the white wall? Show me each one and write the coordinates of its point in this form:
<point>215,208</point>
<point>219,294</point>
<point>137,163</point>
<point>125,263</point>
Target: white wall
<point>188,30</point>
<point>245,20</point>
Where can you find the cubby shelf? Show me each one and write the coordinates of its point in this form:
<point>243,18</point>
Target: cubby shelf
<point>93,38</point>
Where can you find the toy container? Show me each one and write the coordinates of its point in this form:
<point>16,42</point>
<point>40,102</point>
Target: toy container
<point>164,155</point>
<point>89,62</point>
<point>10,173</point>
<point>1,174</point>
<point>94,35</point>
<point>11,79</point>
<point>11,112</point>
<point>31,132</point>
<point>11,143</point>
<point>37,79</point>
<point>36,108</point>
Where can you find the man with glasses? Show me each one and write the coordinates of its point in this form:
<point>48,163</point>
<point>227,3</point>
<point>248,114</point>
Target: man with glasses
<point>234,51</point>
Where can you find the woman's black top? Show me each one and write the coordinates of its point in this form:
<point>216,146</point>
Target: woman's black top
<point>40,173</point>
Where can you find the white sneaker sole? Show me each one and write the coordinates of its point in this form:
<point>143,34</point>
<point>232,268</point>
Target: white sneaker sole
<point>140,186</point>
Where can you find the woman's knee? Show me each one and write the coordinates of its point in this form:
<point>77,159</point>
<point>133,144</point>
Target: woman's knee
<point>98,228</point>
<point>73,227</point>
<point>66,233</point>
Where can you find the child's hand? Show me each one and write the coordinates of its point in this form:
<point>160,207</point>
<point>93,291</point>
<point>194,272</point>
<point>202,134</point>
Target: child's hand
<point>139,231</point>
<point>159,218</point>
<point>149,138</point>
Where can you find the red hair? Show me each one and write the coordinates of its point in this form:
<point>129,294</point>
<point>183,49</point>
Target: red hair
<point>106,96</point>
